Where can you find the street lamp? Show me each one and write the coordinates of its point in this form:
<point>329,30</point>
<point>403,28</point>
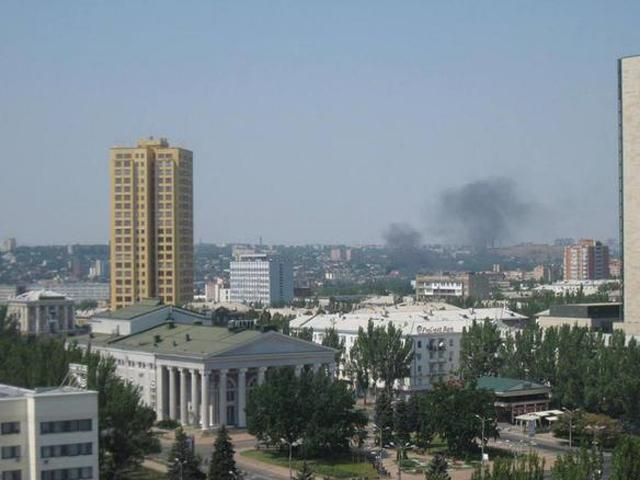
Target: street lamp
<point>291,445</point>
<point>482,420</point>
<point>570,413</point>
<point>180,463</point>
<point>401,448</point>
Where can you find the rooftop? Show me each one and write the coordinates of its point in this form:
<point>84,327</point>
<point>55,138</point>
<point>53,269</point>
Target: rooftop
<point>37,295</point>
<point>132,311</point>
<point>10,391</point>
<point>504,384</point>
<point>169,338</point>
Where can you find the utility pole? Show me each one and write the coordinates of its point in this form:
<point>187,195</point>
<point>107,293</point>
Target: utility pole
<point>482,419</point>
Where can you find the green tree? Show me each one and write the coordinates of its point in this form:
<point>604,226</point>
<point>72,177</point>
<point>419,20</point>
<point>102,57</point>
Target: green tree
<point>582,465</point>
<point>394,356</point>
<point>526,467</point>
<point>479,350</point>
<point>183,463</point>
<point>222,465</point>
<point>626,459</point>
<point>437,469</point>
<point>305,474</point>
<point>401,422</point>
<point>358,369</point>
<point>332,339</point>
<point>383,417</point>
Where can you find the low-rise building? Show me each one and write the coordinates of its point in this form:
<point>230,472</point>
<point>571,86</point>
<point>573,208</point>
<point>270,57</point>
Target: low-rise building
<point>452,285</point>
<point>48,433</point>
<point>516,397</point>
<point>42,312</point>
<point>595,316</point>
<point>435,331</point>
<point>191,372</point>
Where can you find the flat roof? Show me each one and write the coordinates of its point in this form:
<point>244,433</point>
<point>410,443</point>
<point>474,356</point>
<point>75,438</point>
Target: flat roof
<point>195,340</point>
<point>505,384</point>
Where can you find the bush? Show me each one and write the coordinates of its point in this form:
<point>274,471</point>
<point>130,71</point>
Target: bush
<point>168,424</point>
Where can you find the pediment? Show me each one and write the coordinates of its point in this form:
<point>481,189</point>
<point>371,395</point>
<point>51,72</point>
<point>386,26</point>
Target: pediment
<point>275,344</point>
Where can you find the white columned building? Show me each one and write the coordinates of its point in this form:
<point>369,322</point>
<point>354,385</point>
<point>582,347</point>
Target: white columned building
<point>197,374</point>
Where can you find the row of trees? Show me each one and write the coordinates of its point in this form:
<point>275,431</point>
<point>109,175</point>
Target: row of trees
<point>584,368</point>
<point>310,412</point>
<point>124,422</point>
<point>452,411</point>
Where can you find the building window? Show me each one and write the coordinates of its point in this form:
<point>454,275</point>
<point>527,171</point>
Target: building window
<point>67,450</point>
<point>10,427</point>
<point>12,475</point>
<point>66,426</point>
<point>12,451</point>
<point>67,474</point>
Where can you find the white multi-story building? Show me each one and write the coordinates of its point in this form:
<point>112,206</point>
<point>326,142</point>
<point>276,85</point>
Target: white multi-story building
<point>215,291</point>
<point>42,312</point>
<point>48,434</point>
<point>435,331</point>
<point>261,278</point>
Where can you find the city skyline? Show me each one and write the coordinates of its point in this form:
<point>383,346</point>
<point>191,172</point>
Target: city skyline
<point>334,122</point>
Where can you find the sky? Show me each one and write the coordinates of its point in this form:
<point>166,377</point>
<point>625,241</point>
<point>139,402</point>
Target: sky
<point>314,121</point>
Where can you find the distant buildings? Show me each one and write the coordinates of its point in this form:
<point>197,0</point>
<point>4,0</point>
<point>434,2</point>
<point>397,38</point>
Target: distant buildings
<point>629,121</point>
<point>595,316</point>
<point>261,278</point>
<point>77,291</point>
<point>586,260</point>
<point>48,433</point>
<point>340,254</point>
<point>8,245</point>
<point>151,223</point>
<point>42,312</point>
<point>216,291</point>
<point>97,270</point>
<point>452,285</point>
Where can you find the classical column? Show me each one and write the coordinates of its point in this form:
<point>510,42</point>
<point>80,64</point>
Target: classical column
<point>194,397</point>
<point>172,394</point>
<point>261,373</point>
<point>222,404</point>
<point>298,370</point>
<point>242,397</point>
<point>183,396</point>
<point>160,407</point>
<point>332,369</point>
<point>204,395</point>
<point>316,367</point>
<point>37,319</point>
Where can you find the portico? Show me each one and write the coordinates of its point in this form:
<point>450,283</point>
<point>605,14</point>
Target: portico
<point>202,375</point>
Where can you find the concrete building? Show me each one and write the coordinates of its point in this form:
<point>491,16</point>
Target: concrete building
<point>516,397</point>
<point>151,251</point>
<point>216,291</point>
<point>77,291</point>
<point>452,285</point>
<point>48,433</point>
<point>8,245</point>
<point>586,260</point>
<point>42,312</point>
<point>435,331</point>
<point>629,121</point>
<point>261,278</point>
<point>194,373</point>
<point>595,316</point>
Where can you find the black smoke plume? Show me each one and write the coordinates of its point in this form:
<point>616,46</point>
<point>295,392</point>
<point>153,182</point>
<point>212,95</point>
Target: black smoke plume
<point>404,245</point>
<point>482,213</point>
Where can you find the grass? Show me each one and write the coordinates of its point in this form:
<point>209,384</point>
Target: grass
<point>142,473</point>
<point>341,467</point>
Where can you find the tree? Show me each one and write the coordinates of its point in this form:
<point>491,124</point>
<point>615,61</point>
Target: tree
<point>383,417</point>
<point>526,467</point>
<point>331,339</point>
<point>222,465</point>
<point>358,369</point>
<point>312,408</point>
<point>582,465</point>
<point>394,356</point>
<point>454,409</point>
<point>626,459</point>
<point>479,350</point>
<point>437,468</point>
<point>305,474</point>
<point>183,463</point>
<point>401,423</point>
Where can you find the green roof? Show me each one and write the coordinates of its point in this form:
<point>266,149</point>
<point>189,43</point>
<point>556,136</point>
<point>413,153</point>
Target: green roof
<point>503,384</point>
<point>202,340</point>
<point>132,311</point>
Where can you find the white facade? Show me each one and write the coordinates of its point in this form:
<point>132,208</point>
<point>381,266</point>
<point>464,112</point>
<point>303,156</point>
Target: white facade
<point>195,374</point>
<point>42,312</point>
<point>261,278</point>
<point>216,292</point>
<point>435,335</point>
<point>48,434</point>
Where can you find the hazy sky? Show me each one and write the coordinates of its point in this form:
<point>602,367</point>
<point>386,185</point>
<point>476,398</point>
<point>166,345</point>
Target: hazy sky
<point>317,121</point>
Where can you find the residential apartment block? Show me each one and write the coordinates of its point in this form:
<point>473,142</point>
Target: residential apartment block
<point>448,285</point>
<point>48,434</point>
<point>151,223</point>
<point>261,278</point>
<point>586,260</point>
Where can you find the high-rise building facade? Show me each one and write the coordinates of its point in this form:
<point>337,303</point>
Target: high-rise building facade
<point>151,223</point>
<point>260,278</point>
<point>586,260</point>
<point>629,124</point>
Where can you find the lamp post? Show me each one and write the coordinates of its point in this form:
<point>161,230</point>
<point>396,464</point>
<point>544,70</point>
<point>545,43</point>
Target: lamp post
<point>570,413</point>
<point>482,419</point>
<point>401,448</point>
<point>180,463</point>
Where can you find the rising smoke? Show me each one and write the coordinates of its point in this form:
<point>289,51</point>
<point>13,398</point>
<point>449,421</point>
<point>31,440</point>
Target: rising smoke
<point>406,252</point>
<point>483,214</point>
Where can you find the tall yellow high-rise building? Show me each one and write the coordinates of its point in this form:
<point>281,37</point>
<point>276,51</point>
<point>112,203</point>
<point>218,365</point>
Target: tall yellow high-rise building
<point>151,223</point>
